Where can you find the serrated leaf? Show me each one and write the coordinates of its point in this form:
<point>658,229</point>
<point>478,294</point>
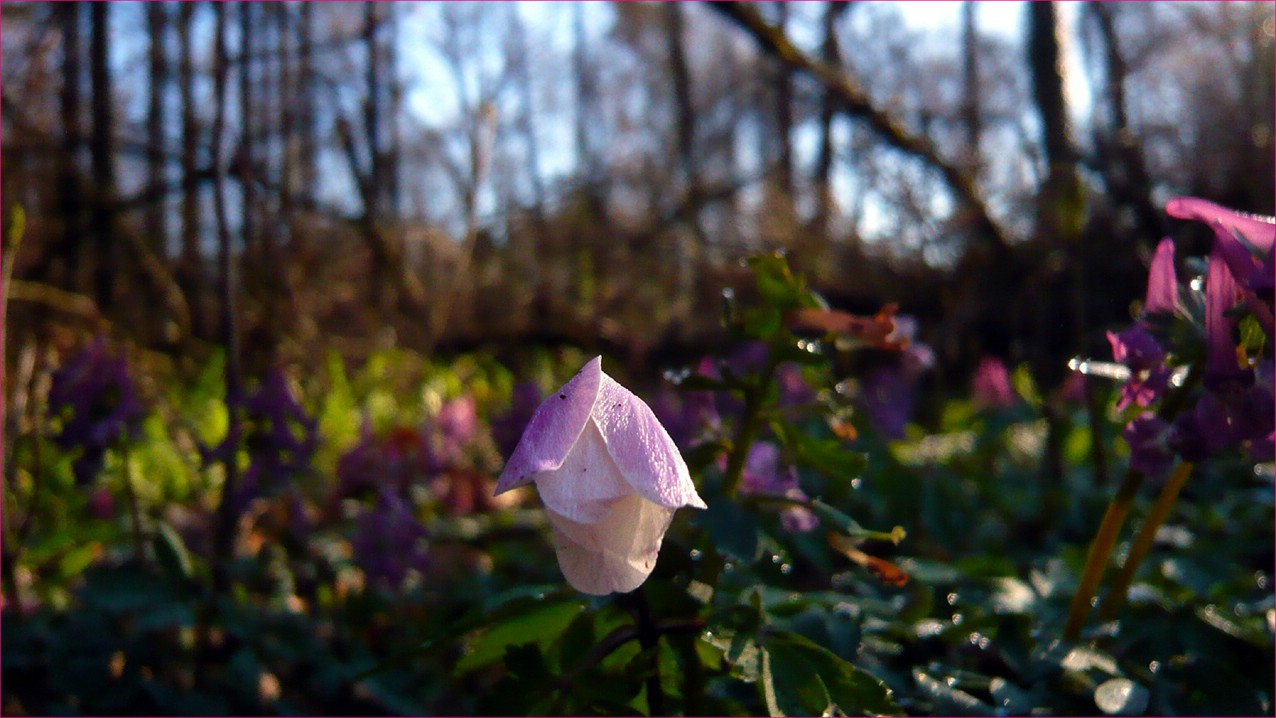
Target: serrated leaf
<point>808,679</point>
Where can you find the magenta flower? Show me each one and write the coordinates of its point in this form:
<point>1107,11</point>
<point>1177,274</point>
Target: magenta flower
<point>1139,352</point>
<point>610,477</point>
<point>1163,288</point>
<point>991,384</point>
<point>1245,241</point>
<point>1244,244</point>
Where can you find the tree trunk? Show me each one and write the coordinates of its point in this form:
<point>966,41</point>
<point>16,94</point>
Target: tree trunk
<point>971,117</point>
<point>70,199</point>
<point>830,55</point>
<point>103,159</point>
<point>1060,203</point>
<point>244,163</point>
<point>157,28</point>
<point>1129,184</point>
<point>190,265</point>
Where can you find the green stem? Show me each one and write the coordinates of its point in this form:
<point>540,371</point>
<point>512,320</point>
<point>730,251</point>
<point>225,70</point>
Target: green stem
<point>750,424</point>
<point>648,638</point>
<point>1143,541</point>
<point>135,514</point>
<point>1100,551</point>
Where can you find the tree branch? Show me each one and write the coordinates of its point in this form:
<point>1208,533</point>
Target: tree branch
<point>854,102</point>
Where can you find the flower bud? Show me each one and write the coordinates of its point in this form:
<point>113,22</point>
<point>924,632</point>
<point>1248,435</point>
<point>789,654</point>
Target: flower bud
<point>610,477</point>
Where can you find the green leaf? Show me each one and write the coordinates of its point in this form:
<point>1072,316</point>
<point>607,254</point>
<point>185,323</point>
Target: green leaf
<point>171,553</point>
<point>733,529</point>
<point>827,455</point>
<point>539,624</point>
<point>808,679</point>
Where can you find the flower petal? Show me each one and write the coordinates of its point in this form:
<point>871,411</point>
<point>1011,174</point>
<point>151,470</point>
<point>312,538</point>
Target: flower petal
<point>554,428</point>
<point>1163,288</point>
<point>587,483</point>
<point>1245,241</point>
<point>1221,364</point>
<point>640,446</point>
<point>615,554</point>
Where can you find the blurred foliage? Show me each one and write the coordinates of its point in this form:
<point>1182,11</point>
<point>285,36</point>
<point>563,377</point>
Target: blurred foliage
<point>937,581</point>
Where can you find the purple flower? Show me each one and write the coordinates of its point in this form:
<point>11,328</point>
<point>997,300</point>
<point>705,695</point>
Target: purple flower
<point>1139,352</point>
<point>395,459</point>
<point>508,427</point>
<point>763,476</point>
<point>686,414</point>
<point>991,384</point>
<point>793,389</point>
<point>889,391</point>
<point>610,477</point>
<point>1163,289</point>
<point>1149,439</point>
<point>279,436</point>
<point>887,399</point>
<point>388,541</point>
<point>95,396</point>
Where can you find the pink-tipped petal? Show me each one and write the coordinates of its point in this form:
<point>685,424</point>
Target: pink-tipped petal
<point>1244,240</point>
<point>553,429</point>
<point>642,449</point>
<point>1163,287</point>
<point>1258,230</point>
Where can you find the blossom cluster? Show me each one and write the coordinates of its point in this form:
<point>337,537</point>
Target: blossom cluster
<point>95,397</point>
<point>1234,407</point>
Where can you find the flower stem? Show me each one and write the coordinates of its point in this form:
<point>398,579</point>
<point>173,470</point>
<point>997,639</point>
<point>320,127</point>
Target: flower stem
<point>1100,551</point>
<point>750,423</point>
<point>1143,541</point>
<point>648,638</point>
<point>134,512</point>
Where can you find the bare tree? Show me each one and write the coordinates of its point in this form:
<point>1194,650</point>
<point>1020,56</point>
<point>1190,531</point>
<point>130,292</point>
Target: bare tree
<point>101,150</point>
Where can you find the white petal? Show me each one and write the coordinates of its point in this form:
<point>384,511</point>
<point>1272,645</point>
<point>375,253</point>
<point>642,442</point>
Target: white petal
<point>587,483</point>
<point>615,554</point>
<point>640,446</point>
<point>553,429</point>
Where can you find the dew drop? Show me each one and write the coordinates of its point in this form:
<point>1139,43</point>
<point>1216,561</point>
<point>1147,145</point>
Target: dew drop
<point>696,554</point>
<point>775,558</point>
<point>728,567</point>
<point>856,482</point>
<point>1260,579</point>
<point>786,568</point>
<point>952,599</point>
<point>984,643</point>
<point>957,619</point>
<point>1154,666</point>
